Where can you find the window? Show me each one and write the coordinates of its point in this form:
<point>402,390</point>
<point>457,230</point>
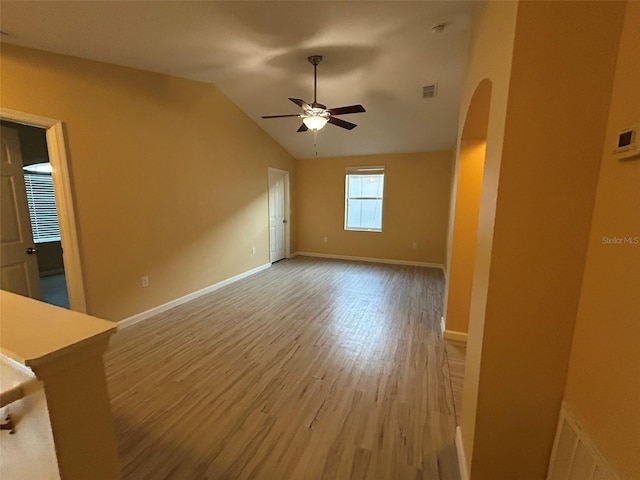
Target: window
<point>363,199</point>
<point>42,203</point>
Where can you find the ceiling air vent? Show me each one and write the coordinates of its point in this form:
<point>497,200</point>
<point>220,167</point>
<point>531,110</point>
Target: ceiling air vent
<point>429,91</point>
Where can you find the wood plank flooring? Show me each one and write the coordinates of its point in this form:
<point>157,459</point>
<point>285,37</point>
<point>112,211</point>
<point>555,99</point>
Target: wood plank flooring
<point>311,369</point>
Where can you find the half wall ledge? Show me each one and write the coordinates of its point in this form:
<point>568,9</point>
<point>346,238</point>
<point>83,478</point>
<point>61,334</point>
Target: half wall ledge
<point>65,351</point>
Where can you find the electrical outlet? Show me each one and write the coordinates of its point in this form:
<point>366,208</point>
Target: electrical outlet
<point>326,239</point>
<point>415,245</point>
<point>253,250</point>
<point>144,280</point>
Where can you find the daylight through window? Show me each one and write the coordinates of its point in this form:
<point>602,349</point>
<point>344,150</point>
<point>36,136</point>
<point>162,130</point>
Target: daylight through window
<point>42,205</point>
<point>363,203</point>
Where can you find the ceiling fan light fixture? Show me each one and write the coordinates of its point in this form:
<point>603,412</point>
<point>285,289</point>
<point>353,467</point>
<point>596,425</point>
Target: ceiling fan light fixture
<point>315,120</point>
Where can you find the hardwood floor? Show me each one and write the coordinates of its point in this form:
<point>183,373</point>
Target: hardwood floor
<point>311,369</point>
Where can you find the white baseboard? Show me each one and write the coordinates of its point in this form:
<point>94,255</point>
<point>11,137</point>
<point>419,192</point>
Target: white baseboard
<point>372,260</point>
<point>127,322</point>
<point>455,336</point>
<point>462,458</point>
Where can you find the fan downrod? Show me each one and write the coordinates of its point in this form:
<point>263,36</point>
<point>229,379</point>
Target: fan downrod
<point>315,60</point>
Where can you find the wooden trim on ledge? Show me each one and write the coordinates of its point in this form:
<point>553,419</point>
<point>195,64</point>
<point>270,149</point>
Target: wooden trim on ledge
<point>371,260</point>
<point>11,395</point>
<point>455,336</point>
<point>127,322</point>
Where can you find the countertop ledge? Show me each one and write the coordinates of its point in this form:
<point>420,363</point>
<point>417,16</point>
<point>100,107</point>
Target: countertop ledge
<point>34,333</point>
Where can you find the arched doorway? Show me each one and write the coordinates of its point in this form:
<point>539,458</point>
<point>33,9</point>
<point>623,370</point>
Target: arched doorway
<point>468,186</point>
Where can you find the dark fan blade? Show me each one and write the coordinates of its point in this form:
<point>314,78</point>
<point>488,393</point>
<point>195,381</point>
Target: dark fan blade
<point>345,110</point>
<point>301,103</point>
<point>341,123</point>
<point>303,128</point>
<point>281,116</point>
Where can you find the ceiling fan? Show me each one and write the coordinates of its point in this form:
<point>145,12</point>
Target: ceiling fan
<point>315,115</point>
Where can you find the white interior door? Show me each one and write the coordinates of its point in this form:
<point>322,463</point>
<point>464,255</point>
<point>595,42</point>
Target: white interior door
<point>18,262</point>
<point>277,217</point>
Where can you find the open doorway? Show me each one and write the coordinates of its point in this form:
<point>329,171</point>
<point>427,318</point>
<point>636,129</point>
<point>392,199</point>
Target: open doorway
<point>61,176</point>
<point>466,208</point>
<point>279,229</point>
<point>26,146</point>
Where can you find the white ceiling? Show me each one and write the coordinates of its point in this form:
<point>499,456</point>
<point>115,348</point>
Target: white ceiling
<point>378,54</point>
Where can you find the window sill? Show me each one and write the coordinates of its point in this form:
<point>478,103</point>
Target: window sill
<point>363,230</point>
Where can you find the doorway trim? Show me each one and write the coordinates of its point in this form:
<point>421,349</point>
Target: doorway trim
<point>287,208</point>
<point>64,201</point>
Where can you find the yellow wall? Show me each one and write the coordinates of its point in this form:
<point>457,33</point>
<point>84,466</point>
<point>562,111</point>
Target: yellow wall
<point>169,176</point>
<point>603,383</point>
<point>415,206</point>
<point>490,56</point>
<point>535,209</point>
<point>465,227</point>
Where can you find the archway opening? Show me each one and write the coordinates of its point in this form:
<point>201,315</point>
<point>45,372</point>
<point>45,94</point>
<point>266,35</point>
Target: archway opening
<point>468,187</point>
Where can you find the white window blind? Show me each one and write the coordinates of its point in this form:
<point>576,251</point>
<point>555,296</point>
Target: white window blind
<point>364,194</point>
<point>42,207</point>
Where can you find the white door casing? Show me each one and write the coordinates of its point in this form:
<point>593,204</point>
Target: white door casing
<point>18,269</point>
<point>278,213</point>
<point>64,201</point>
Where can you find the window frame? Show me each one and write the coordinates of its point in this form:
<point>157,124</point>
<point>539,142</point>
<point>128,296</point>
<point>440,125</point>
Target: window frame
<point>363,171</point>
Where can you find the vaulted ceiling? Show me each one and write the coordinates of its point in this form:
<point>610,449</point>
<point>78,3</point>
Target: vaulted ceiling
<point>379,54</point>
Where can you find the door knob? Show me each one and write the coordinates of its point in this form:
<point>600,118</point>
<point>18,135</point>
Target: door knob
<point>31,250</point>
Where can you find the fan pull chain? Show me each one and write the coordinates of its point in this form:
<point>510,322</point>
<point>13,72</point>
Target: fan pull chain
<point>315,141</point>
